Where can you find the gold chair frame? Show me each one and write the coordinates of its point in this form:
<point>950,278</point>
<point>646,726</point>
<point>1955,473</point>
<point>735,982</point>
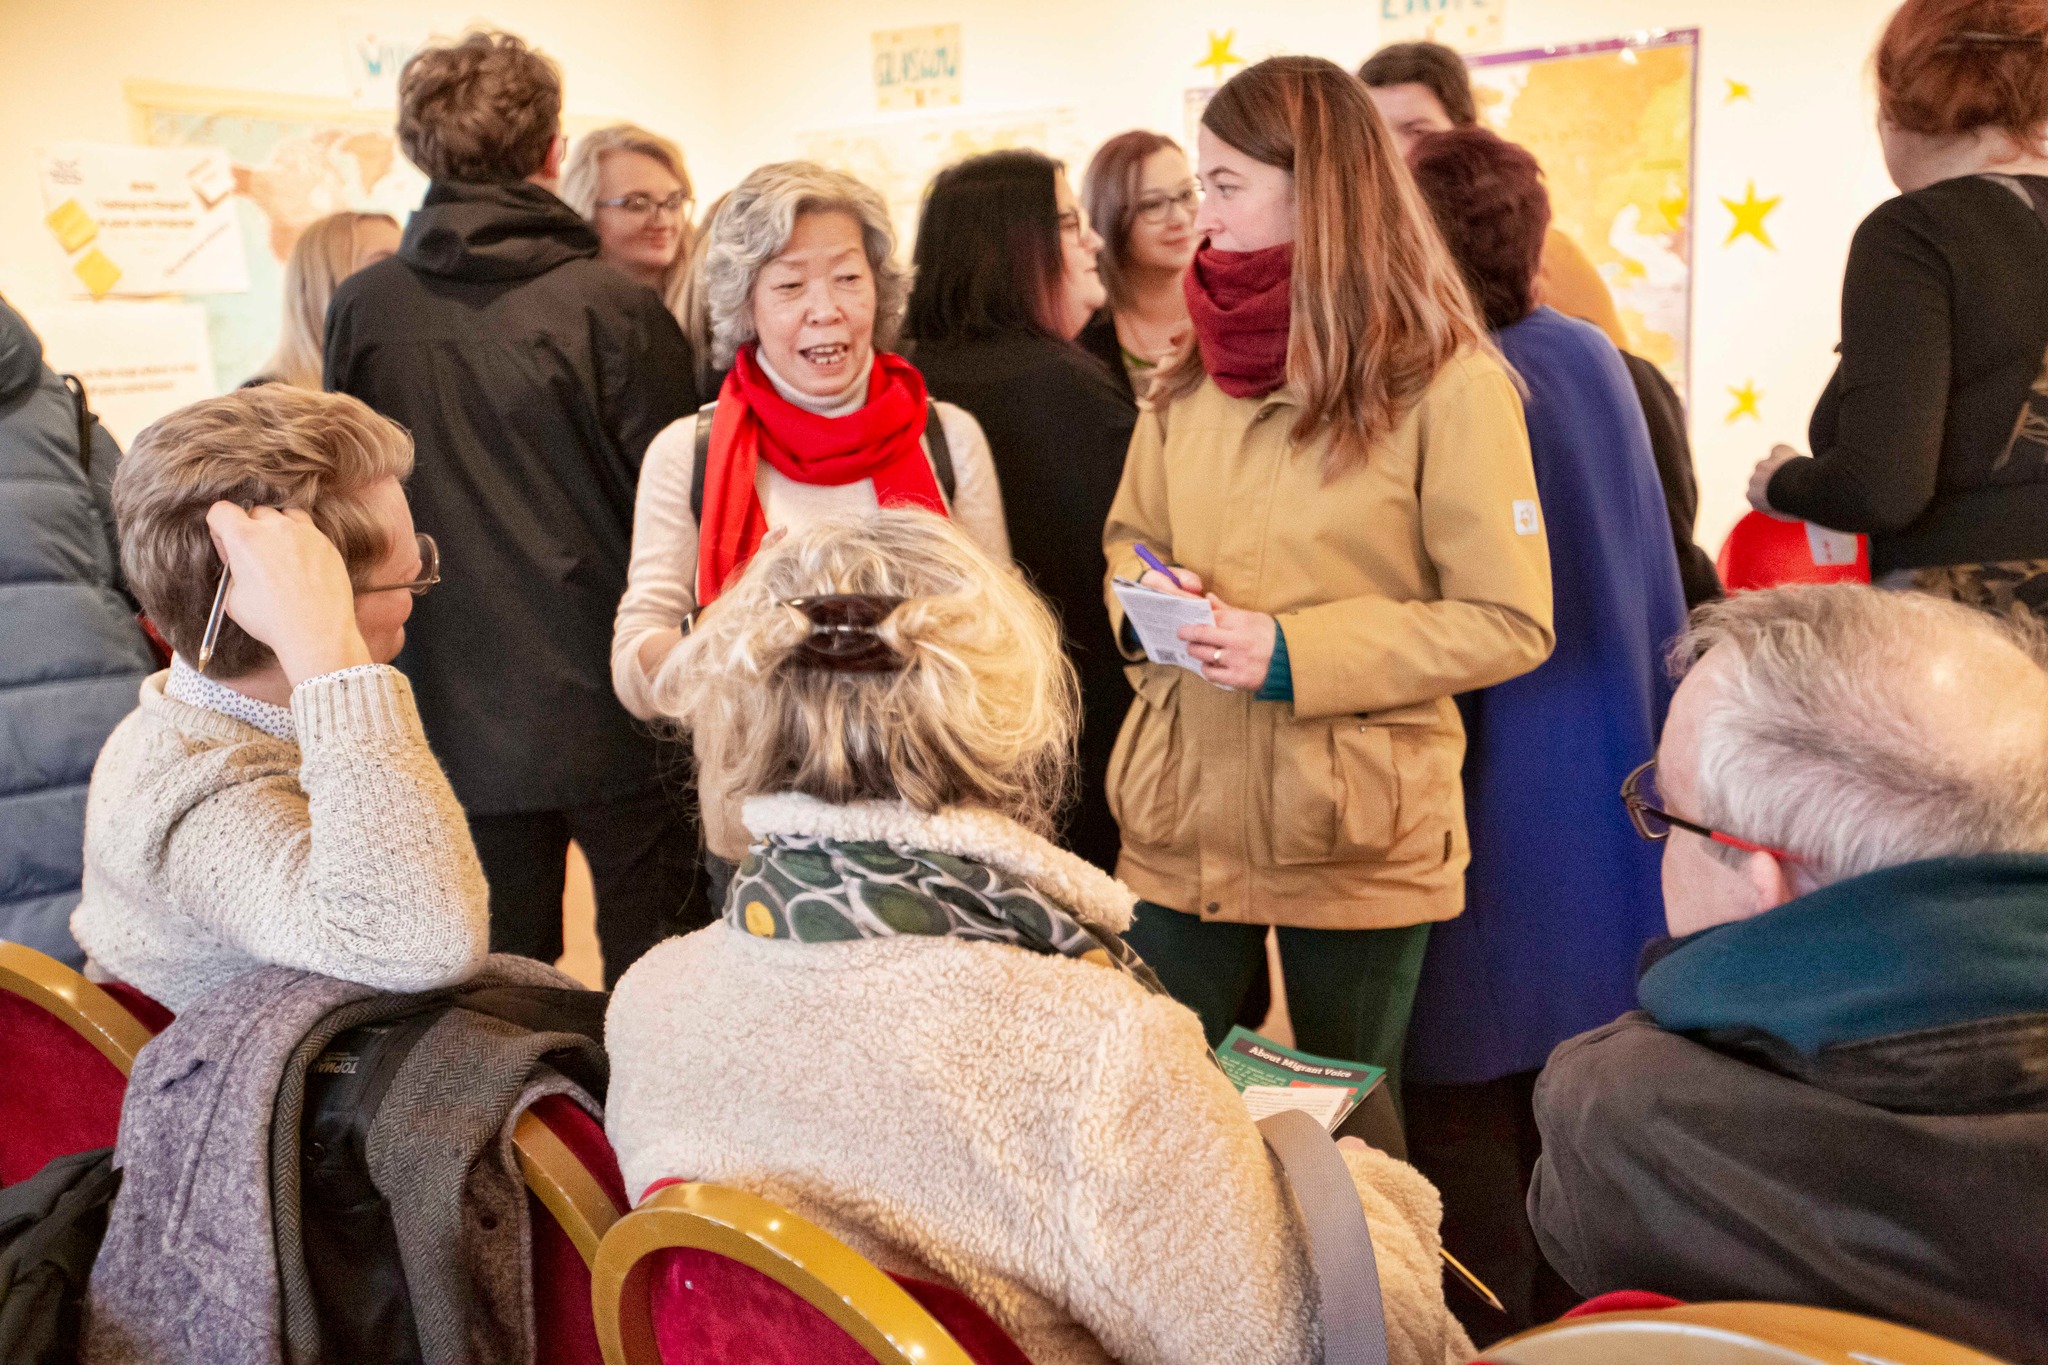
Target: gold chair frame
<point>90,1012</point>
<point>1731,1334</point>
<point>797,1254</point>
<point>565,1186</point>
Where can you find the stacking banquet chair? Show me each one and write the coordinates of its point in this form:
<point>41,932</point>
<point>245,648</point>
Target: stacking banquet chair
<point>704,1274</point>
<point>1728,1334</point>
<point>67,1045</point>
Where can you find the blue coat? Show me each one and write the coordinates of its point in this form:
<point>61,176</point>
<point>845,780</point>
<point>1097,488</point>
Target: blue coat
<point>71,656</point>
<point>1561,894</point>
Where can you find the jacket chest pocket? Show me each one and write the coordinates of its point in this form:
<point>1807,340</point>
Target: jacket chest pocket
<point>1144,768</point>
<point>1336,791</point>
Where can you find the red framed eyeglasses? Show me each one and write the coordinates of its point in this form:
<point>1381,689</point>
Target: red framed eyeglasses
<point>1639,795</point>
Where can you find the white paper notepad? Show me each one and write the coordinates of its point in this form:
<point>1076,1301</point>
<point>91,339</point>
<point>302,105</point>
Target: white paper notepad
<point>1158,617</point>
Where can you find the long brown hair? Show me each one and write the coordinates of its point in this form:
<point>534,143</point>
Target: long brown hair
<point>1378,306</point>
<point>1109,191</point>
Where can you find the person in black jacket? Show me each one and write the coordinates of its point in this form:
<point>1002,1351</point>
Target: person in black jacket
<point>532,378</point>
<point>1006,277</point>
<point>71,654</point>
<point>1673,449</point>
<point>1932,436</point>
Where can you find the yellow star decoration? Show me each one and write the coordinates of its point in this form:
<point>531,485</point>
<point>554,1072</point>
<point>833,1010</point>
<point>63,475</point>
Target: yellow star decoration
<point>1749,213</point>
<point>1745,402</point>
<point>1737,90</point>
<point>1220,55</point>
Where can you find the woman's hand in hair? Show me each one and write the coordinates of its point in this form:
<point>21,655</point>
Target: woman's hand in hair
<point>1237,650</point>
<point>290,588</point>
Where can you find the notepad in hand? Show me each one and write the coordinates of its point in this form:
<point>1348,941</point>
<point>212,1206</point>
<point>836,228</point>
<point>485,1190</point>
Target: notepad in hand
<point>1158,617</point>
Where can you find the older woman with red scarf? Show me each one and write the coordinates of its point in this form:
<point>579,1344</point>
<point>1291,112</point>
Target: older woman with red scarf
<point>815,420</point>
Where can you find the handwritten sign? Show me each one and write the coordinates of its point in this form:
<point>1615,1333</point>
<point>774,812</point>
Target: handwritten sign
<point>918,68</point>
<point>374,48</point>
<point>144,220</point>
<point>1461,24</point>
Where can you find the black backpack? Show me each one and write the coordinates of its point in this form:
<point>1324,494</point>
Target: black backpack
<point>51,1227</point>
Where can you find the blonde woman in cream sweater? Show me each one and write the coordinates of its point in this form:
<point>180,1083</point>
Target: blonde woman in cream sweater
<point>281,807</point>
<point>917,1023</point>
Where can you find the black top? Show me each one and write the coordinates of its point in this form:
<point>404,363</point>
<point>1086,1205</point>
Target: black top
<point>1058,428</point>
<point>1673,450</point>
<point>532,379</point>
<point>1932,436</point>
<point>1099,339</point>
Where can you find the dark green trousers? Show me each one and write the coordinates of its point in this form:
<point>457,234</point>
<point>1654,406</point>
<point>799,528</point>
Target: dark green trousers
<point>1349,991</point>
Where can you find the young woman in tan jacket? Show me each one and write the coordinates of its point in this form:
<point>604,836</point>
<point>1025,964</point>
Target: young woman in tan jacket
<point>1338,462</point>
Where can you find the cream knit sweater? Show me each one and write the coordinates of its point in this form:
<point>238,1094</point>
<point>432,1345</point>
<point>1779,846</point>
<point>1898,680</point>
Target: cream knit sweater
<point>1037,1130</point>
<point>212,847</point>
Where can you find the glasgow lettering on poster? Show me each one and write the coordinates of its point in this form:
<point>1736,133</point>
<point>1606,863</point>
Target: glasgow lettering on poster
<point>1462,24</point>
<point>917,68</point>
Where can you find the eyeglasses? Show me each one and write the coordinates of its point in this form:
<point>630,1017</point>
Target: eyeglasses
<point>1155,208</point>
<point>646,205</point>
<point>1639,794</point>
<point>429,575</point>
<point>1073,225</point>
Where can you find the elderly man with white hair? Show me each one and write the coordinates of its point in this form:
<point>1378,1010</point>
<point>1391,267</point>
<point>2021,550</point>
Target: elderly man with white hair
<point>816,419</point>
<point>1836,1090</point>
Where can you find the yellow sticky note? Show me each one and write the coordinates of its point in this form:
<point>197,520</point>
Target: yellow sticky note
<point>72,224</point>
<point>98,273</point>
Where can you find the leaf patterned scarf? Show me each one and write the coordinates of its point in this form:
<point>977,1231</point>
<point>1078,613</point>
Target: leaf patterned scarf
<point>820,890</point>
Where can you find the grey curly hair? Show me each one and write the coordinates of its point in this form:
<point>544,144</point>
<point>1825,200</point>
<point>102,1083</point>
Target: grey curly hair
<point>754,227</point>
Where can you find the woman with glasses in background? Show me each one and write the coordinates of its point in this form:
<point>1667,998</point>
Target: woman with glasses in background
<point>1141,195</point>
<point>277,802</point>
<point>634,189</point>
<point>1007,274</point>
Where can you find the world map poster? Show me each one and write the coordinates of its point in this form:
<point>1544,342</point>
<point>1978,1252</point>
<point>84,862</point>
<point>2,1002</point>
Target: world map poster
<point>294,160</point>
<point>1613,125</point>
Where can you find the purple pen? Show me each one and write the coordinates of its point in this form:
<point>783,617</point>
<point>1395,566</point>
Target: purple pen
<point>1152,562</point>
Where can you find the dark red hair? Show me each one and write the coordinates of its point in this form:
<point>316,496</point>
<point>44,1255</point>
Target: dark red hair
<point>1951,66</point>
<point>1488,199</point>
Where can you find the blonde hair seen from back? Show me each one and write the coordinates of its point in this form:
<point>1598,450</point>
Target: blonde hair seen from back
<point>321,259</point>
<point>1378,306</point>
<point>982,713</point>
<point>583,170</point>
<point>271,446</point>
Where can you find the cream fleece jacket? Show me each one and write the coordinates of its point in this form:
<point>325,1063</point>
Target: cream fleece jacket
<point>212,847</point>
<point>1037,1130</point>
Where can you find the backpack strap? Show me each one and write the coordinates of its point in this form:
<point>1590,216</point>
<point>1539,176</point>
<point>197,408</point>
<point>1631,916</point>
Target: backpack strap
<point>1339,1239</point>
<point>703,462</point>
<point>935,446</point>
<point>76,386</point>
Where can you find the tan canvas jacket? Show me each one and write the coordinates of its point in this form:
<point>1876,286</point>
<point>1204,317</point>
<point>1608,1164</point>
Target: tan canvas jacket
<point>1421,574</point>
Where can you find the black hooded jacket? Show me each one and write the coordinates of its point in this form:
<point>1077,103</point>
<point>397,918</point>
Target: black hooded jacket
<point>532,378</point>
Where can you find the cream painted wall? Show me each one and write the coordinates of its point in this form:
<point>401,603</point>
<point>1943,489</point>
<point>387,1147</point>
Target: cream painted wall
<point>738,83</point>
<point>1761,316</point>
<point>65,62</point>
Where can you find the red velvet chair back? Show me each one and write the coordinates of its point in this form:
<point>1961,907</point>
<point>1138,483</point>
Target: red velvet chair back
<point>705,1273</point>
<point>574,1195</point>
<point>65,1049</point>
<point>1764,552</point>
